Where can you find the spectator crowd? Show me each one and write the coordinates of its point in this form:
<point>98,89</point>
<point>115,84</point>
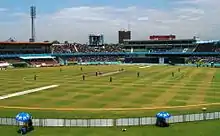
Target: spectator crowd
<point>98,58</point>
<point>43,62</point>
<point>83,48</point>
<point>195,59</point>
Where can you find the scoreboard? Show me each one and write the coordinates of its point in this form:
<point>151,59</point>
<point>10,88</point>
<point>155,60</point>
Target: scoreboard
<point>96,40</point>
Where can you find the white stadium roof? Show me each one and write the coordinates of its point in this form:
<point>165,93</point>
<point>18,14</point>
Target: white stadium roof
<point>208,41</point>
<point>38,57</point>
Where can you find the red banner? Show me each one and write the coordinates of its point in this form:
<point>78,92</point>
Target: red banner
<point>162,37</point>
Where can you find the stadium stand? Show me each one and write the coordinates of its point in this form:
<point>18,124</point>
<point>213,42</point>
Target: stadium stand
<point>48,54</point>
<point>203,59</point>
<point>4,64</point>
<point>43,62</point>
<point>98,58</point>
<point>217,49</point>
<point>76,47</point>
<point>24,48</point>
<point>13,60</point>
<point>208,47</point>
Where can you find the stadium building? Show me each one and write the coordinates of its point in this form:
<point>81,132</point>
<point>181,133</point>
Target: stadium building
<point>158,49</point>
<point>123,35</point>
<point>180,45</point>
<point>167,49</point>
<point>25,47</point>
<point>26,53</point>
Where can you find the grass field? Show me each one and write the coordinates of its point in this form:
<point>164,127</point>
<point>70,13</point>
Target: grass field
<point>208,128</point>
<point>97,97</point>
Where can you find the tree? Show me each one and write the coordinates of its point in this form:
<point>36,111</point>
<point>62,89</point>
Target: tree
<point>56,42</point>
<point>66,42</point>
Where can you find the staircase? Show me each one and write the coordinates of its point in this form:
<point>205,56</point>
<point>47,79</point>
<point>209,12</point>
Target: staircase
<point>75,48</point>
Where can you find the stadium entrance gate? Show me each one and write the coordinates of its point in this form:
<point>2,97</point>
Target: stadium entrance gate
<point>161,60</point>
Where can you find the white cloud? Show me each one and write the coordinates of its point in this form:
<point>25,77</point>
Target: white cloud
<point>190,11</point>
<point>143,18</point>
<point>188,1</point>
<point>19,14</point>
<point>74,24</point>
<point>3,9</point>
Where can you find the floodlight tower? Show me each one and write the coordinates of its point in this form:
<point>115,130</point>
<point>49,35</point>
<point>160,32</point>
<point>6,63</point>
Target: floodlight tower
<point>33,16</point>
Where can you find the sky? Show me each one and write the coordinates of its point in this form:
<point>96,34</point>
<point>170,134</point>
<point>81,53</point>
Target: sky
<point>74,20</point>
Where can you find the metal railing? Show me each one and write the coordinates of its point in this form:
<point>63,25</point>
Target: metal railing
<point>141,121</point>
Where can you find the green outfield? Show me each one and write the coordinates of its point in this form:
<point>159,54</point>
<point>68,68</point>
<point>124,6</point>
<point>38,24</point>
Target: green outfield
<point>127,95</point>
<point>208,128</point>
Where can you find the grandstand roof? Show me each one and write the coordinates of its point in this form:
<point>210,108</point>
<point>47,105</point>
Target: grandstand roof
<point>209,41</point>
<point>154,42</point>
<point>27,43</point>
<point>159,40</point>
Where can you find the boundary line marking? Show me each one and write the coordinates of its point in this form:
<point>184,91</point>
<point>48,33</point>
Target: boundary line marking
<point>111,73</point>
<point>27,92</point>
<point>145,67</point>
<point>108,109</point>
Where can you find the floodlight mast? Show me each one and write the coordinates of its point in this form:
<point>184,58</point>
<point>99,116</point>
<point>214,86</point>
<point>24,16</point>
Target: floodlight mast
<point>33,16</point>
